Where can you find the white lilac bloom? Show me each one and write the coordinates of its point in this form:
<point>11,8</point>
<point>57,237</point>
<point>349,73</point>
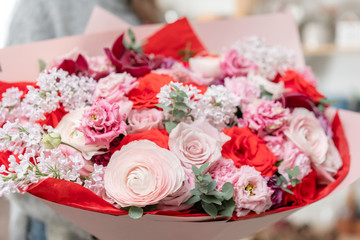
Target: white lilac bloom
<point>270,60</point>
<point>218,106</point>
<point>55,87</point>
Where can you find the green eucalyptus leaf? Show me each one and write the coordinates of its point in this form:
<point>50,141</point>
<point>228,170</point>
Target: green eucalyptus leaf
<point>42,65</point>
<point>294,172</point>
<point>294,182</point>
<point>179,98</point>
<point>172,94</point>
<point>204,167</point>
<point>228,190</point>
<point>193,199</point>
<point>178,114</point>
<point>131,35</point>
<point>169,126</point>
<point>183,94</point>
<point>210,209</point>
<point>211,199</point>
<point>203,190</point>
<point>164,107</point>
<point>287,190</point>
<point>174,87</point>
<point>135,212</point>
<point>181,105</point>
<point>195,192</point>
<point>229,207</point>
<point>195,170</point>
<point>211,186</point>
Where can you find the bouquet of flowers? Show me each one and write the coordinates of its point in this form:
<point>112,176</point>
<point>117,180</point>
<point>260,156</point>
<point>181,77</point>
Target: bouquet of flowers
<point>165,127</point>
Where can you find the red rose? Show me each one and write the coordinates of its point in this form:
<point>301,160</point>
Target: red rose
<point>304,192</point>
<point>297,84</point>
<point>160,137</point>
<point>246,148</point>
<point>149,86</point>
<point>54,117</point>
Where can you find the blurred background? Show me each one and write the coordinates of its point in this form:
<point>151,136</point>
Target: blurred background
<point>330,36</point>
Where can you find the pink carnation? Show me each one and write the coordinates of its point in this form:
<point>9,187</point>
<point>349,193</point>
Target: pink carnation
<point>251,192</point>
<point>293,157</point>
<point>114,87</point>
<point>102,123</point>
<point>275,143</point>
<point>265,116</point>
<point>223,171</point>
<point>234,64</point>
<point>247,90</point>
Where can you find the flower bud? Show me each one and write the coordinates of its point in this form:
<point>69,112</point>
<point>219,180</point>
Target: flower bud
<point>51,140</point>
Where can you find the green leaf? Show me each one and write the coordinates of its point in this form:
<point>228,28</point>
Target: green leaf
<point>178,114</point>
<point>293,173</point>
<point>195,192</point>
<point>135,212</point>
<point>294,182</point>
<point>210,209</point>
<point>211,186</point>
<point>172,94</point>
<point>181,105</point>
<point>278,163</point>
<point>287,190</point>
<point>195,170</point>
<point>265,94</point>
<point>203,190</point>
<point>42,65</point>
<point>169,126</point>
<point>204,167</point>
<point>179,98</point>
<point>183,94</point>
<point>229,207</point>
<point>227,190</point>
<point>192,200</point>
<point>131,36</point>
<point>211,199</point>
<point>174,87</point>
<point>283,179</point>
<point>164,107</point>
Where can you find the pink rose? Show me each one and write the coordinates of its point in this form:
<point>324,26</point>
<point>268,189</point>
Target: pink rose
<point>196,143</point>
<point>247,91</point>
<point>329,168</point>
<point>275,143</point>
<point>114,87</point>
<point>223,171</point>
<point>265,116</point>
<point>251,192</point>
<point>125,106</point>
<point>141,173</point>
<point>144,119</point>
<point>293,157</point>
<point>305,131</point>
<point>234,64</point>
<point>102,123</point>
<point>176,201</point>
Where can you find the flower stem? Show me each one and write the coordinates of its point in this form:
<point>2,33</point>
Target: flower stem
<point>66,144</point>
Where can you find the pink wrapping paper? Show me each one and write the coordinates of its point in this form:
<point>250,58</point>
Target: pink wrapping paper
<point>214,35</point>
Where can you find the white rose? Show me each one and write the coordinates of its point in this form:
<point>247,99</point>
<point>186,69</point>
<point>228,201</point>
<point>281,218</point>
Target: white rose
<point>276,89</point>
<point>144,119</point>
<point>197,143</point>
<point>70,135</point>
<point>207,67</point>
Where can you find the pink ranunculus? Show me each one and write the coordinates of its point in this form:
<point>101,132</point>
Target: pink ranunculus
<point>234,64</point>
<point>196,143</point>
<point>88,166</point>
<point>125,106</point>
<point>200,80</point>
<point>144,119</point>
<point>141,173</point>
<point>102,123</point>
<point>306,132</point>
<point>251,192</point>
<point>114,87</point>
<point>265,116</point>
<point>275,143</point>
<point>247,91</point>
<point>276,89</point>
<point>293,157</point>
<point>176,201</point>
<point>223,171</point>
